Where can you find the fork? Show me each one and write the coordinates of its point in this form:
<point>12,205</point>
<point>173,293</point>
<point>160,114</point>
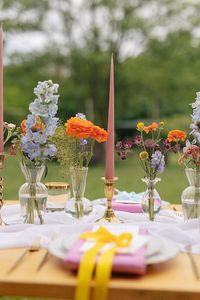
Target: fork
<point>35,246</point>
<point>46,254</point>
<point>188,249</point>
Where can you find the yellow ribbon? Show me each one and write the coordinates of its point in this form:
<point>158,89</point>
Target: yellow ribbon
<point>104,264</point>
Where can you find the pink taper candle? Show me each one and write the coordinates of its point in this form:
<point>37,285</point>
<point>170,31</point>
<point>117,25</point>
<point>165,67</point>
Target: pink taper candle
<point>110,145</point>
<point>1,92</point>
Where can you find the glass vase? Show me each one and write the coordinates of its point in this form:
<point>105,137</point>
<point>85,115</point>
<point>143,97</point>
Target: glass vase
<point>190,197</point>
<point>78,207</point>
<point>33,194</point>
<point>151,202</point>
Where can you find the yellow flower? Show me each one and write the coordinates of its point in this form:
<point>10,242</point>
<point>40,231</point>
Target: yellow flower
<point>144,155</point>
<point>140,126</point>
<point>162,124</point>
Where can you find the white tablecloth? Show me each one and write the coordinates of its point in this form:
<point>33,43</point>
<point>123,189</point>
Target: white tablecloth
<point>167,224</point>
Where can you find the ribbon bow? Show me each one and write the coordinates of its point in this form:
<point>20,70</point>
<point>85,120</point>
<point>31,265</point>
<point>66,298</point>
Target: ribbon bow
<point>104,264</point>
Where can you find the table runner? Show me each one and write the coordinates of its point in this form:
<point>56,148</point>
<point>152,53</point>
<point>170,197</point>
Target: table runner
<point>167,224</point>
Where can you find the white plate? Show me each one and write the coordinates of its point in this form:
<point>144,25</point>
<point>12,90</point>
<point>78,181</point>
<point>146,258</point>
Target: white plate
<point>158,249</point>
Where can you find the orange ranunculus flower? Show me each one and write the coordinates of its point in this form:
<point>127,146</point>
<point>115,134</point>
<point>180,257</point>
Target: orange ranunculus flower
<point>79,128</point>
<point>38,126</point>
<point>151,127</point>
<point>99,134</point>
<point>176,135</point>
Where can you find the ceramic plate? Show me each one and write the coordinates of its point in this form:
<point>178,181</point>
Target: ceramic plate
<point>158,249</point>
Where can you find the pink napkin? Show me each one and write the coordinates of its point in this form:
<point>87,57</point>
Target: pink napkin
<point>128,207</point>
<point>122,263</point>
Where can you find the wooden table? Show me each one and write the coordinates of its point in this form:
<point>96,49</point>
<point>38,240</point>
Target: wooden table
<point>171,280</point>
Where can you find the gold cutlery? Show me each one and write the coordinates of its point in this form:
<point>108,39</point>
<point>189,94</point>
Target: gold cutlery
<point>188,249</point>
<point>36,245</point>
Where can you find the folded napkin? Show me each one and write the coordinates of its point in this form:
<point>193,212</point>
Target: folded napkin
<point>128,207</point>
<point>132,263</point>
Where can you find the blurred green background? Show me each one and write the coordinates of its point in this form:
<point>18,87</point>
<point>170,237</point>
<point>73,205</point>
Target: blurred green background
<point>156,50</point>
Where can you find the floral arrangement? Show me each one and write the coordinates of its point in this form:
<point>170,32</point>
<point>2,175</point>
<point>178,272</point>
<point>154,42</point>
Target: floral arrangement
<point>75,141</point>
<point>33,140</point>
<point>9,131</point>
<point>191,152</point>
<point>151,148</point>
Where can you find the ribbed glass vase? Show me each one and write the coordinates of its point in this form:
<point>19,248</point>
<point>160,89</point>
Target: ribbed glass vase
<point>151,202</point>
<point>78,207</point>
<point>190,197</point>
<point>33,194</point>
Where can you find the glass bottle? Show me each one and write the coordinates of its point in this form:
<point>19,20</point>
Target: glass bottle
<point>151,202</point>
<point>190,197</point>
<point>33,194</point>
<point>78,207</point>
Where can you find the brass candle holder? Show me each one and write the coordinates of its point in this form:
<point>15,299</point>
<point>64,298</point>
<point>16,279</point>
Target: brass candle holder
<point>109,215</point>
<point>2,159</point>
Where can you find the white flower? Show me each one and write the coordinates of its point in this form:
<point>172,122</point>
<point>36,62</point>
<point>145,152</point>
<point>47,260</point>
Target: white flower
<point>9,126</point>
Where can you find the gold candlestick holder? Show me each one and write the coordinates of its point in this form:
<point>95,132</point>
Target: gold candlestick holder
<point>2,159</point>
<point>109,215</point>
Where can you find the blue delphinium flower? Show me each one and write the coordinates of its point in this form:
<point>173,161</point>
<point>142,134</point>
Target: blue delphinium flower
<point>196,120</point>
<point>50,150</point>
<point>41,123</point>
<point>158,161</point>
<point>30,148</point>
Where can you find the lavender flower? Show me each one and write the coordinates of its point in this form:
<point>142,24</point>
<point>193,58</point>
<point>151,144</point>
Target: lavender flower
<point>80,116</point>
<point>158,161</point>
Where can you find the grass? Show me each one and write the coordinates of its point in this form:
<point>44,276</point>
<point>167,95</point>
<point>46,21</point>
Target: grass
<point>129,173</point>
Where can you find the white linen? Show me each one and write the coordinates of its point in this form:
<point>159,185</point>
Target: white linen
<point>167,224</point>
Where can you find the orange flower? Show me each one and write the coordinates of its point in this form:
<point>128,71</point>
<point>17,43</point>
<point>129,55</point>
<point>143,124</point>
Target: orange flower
<point>23,126</point>
<point>99,134</point>
<point>176,135</point>
<point>151,127</point>
<point>79,128</point>
<point>38,126</point>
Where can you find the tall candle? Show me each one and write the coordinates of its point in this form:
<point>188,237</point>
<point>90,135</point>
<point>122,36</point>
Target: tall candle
<point>110,145</point>
<point>1,92</point>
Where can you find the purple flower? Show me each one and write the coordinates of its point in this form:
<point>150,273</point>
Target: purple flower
<point>43,110</point>
<point>127,144</point>
<point>158,161</point>
<point>83,142</point>
<point>149,143</point>
<point>122,154</point>
<point>39,137</point>
<point>137,140</point>
<point>176,148</point>
<point>50,150</point>
<point>166,144</point>
<point>119,145</point>
<point>31,149</point>
<point>80,116</point>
